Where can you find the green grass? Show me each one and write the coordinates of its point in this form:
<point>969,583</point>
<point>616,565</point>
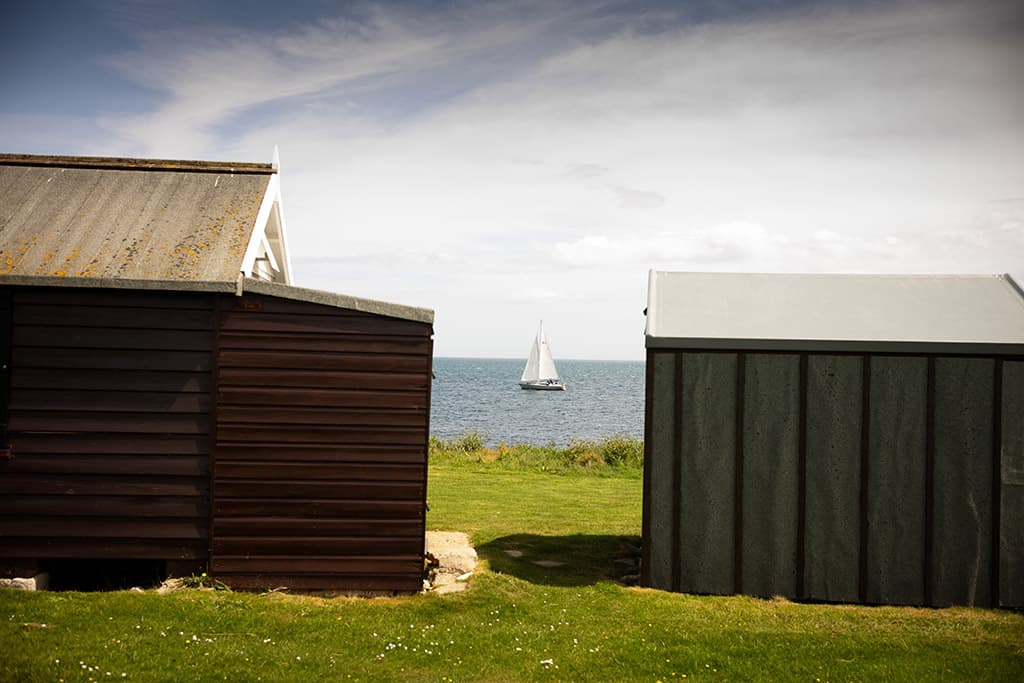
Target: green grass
<point>515,616</point>
<point>592,524</point>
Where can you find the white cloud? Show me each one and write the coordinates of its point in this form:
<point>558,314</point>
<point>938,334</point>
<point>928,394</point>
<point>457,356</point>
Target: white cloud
<point>546,181</point>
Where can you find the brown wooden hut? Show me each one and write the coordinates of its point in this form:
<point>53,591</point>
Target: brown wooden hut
<point>165,394</point>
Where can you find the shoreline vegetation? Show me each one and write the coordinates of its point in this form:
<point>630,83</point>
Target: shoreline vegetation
<point>618,455</point>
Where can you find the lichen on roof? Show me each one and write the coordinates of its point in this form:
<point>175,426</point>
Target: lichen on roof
<point>124,218</point>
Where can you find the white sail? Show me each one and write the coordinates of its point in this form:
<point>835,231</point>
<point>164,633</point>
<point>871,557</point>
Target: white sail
<point>531,373</point>
<point>540,371</point>
<point>547,368</point>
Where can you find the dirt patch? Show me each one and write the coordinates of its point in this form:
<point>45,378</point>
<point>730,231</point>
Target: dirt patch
<point>455,561</point>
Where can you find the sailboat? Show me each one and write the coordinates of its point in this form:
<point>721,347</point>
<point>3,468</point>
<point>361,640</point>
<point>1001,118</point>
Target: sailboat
<point>540,372</point>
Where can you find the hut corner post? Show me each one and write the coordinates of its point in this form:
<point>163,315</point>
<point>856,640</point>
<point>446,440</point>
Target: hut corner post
<point>7,316</point>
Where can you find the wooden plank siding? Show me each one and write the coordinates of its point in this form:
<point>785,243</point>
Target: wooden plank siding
<point>280,441</point>
<point>108,422</point>
<point>319,459</point>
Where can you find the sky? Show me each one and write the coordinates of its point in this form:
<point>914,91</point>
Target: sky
<point>503,163</point>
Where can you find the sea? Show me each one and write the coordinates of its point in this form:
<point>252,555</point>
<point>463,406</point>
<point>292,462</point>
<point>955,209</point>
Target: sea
<point>602,399</point>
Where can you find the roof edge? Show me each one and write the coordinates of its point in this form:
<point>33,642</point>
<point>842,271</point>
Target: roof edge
<point>1012,284</point>
<point>248,286</point>
<point>870,346</point>
<point>845,274</point>
<point>316,296</point>
<point>132,164</point>
<point>117,283</point>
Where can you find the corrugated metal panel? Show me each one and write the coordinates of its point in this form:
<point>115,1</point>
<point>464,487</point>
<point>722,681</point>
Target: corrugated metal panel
<point>894,561</point>
<point>108,423</point>
<point>842,313</point>
<point>156,220</point>
<point>319,468</point>
<point>771,457</point>
<point>1011,485</point>
<point>851,478</point>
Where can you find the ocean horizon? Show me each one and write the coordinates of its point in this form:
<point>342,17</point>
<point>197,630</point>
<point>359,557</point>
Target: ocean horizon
<point>603,398</point>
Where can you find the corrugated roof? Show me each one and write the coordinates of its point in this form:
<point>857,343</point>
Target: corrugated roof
<point>897,313</point>
<point>127,218</point>
<point>239,287</point>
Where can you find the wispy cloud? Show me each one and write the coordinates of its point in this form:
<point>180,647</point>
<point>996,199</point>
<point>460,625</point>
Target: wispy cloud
<point>503,162</point>
<point>222,74</point>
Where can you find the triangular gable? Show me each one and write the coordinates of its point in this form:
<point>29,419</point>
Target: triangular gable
<point>266,256</point>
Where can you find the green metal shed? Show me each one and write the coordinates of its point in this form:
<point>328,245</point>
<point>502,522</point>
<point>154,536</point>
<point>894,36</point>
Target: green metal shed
<point>846,438</point>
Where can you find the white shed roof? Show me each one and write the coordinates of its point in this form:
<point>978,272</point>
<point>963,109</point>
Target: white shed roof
<point>863,313</point>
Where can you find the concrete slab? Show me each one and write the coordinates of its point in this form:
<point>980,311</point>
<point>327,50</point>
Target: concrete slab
<point>38,582</point>
<point>456,561</point>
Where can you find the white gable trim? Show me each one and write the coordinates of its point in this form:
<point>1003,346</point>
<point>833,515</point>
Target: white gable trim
<point>268,252</point>
<point>268,239</point>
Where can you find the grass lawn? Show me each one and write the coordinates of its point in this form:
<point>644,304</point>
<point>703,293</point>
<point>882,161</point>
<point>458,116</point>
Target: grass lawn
<point>519,621</point>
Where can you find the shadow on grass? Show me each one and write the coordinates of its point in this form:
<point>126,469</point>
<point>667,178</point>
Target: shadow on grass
<point>578,560</point>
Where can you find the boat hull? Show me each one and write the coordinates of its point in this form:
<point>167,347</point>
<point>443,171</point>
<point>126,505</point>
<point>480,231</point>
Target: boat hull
<point>542,386</point>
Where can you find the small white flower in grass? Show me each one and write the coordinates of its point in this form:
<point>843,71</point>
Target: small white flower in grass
<point>298,658</point>
<point>547,662</point>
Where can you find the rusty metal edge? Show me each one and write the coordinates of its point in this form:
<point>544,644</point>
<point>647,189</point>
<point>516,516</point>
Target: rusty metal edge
<point>132,164</point>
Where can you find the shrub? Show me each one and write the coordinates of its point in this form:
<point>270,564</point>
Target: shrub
<point>468,442</point>
<point>203,581</point>
<point>619,454</point>
<point>623,451</point>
